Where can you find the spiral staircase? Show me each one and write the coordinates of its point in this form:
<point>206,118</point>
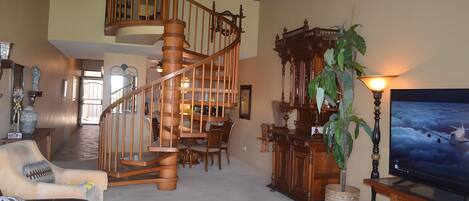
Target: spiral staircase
<point>198,86</point>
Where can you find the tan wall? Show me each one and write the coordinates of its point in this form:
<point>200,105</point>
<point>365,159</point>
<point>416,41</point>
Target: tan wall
<point>78,21</point>
<point>423,41</point>
<point>113,59</point>
<point>24,23</point>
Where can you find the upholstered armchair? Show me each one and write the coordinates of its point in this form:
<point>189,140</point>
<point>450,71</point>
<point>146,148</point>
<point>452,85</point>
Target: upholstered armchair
<point>14,156</point>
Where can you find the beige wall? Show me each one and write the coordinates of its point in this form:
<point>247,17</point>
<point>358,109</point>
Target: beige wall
<point>24,23</point>
<point>423,41</point>
<point>112,59</point>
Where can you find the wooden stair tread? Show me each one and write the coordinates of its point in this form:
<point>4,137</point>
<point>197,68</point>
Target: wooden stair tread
<point>192,54</point>
<point>155,146</point>
<point>148,158</point>
<point>140,179</point>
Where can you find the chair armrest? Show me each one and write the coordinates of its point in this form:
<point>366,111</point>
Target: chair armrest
<point>59,191</point>
<point>72,176</point>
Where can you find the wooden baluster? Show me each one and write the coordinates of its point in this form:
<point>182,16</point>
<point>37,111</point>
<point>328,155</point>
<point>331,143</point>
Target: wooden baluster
<point>116,141</point>
<point>183,7</point>
<point>150,129</point>
<point>146,10</point>
<point>236,67</point>
<point>219,63</point>
<point>119,11</point>
<point>196,27</point>
<point>208,33</point>
<point>175,9</point>
<point>193,99</point>
<point>115,11</point>
<point>189,17</point>
<point>102,142</point>
<point>142,117</point>
<point>109,143</point>
<point>155,8</point>
<point>131,10</point>
<point>161,112</point>
<point>203,99</point>
<point>138,9</point>
<point>125,10</point>
<point>214,35</point>
<point>218,86</point>
<point>210,92</point>
<point>225,70</point>
<point>182,105</point>
<point>132,128</point>
<point>124,122</point>
<point>173,80</point>
<point>202,35</point>
<point>230,83</point>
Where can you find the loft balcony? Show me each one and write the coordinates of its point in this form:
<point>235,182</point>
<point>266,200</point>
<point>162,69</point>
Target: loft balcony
<point>134,13</point>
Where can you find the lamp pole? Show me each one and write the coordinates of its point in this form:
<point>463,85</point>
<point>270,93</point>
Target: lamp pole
<point>376,137</point>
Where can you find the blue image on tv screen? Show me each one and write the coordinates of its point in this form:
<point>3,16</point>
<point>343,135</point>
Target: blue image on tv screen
<point>430,134</point>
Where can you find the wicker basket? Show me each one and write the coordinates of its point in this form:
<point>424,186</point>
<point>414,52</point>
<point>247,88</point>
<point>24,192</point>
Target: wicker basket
<point>333,193</point>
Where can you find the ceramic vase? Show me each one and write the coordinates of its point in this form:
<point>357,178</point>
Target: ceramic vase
<point>28,120</point>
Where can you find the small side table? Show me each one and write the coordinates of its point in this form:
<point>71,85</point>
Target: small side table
<point>43,138</point>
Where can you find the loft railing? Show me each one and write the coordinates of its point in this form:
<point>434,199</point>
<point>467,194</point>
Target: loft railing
<point>209,81</point>
<point>122,13</point>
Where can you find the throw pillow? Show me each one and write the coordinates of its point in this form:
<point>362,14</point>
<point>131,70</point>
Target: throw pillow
<point>39,172</point>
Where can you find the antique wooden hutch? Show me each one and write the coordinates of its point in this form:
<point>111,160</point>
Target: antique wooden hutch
<point>301,168</point>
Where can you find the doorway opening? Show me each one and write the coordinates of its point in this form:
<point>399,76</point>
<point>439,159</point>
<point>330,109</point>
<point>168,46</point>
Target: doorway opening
<point>91,97</point>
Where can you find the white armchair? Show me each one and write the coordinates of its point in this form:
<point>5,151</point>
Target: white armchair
<point>14,156</point>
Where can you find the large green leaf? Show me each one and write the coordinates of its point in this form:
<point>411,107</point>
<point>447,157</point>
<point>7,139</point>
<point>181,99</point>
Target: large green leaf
<point>329,83</point>
<point>362,124</point>
<point>359,69</point>
<point>329,57</point>
<point>348,87</point>
<point>357,41</point>
<point>319,98</point>
<point>338,156</point>
<point>341,59</point>
<point>348,146</point>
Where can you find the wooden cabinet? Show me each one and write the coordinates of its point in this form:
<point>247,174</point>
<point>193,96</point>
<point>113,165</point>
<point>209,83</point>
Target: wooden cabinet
<point>301,168</point>
<point>42,137</point>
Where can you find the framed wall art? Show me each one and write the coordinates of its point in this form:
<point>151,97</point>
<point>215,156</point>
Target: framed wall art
<point>245,102</point>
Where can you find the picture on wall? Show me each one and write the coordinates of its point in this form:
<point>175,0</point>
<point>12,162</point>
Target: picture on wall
<point>245,102</point>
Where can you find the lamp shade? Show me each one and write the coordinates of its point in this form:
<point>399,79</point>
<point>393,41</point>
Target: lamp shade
<point>377,82</point>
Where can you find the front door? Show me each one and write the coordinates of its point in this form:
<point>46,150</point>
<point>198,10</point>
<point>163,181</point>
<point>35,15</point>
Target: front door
<point>91,100</point>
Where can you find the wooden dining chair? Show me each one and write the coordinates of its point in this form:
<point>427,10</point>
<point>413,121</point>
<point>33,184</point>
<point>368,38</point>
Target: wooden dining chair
<point>227,128</point>
<point>212,147</point>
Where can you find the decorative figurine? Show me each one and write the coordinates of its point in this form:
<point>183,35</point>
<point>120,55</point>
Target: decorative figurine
<point>17,99</point>
<point>36,76</point>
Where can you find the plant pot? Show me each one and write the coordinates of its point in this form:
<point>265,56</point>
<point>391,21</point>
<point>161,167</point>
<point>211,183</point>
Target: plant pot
<point>333,193</point>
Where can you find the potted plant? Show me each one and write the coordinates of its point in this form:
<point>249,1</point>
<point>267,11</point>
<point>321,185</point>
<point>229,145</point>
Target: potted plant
<point>335,85</point>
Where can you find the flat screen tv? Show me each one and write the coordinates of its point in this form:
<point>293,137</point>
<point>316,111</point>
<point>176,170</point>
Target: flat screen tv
<point>429,137</point>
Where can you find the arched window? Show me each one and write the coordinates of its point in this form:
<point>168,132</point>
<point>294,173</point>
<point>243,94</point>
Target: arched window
<point>123,81</point>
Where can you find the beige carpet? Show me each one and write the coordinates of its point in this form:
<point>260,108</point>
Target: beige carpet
<point>235,182</point>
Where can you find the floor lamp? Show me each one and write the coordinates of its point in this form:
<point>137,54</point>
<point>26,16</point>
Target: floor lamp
<point>376,83</point>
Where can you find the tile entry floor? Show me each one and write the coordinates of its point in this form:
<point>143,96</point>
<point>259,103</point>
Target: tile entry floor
<point>82,145</point>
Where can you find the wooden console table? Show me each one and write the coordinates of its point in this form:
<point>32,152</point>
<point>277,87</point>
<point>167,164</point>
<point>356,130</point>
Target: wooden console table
<point>43,138</point>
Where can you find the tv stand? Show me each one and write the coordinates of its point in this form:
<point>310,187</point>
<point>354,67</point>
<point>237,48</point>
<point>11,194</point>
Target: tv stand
<point>400,181</point>
<point>413,192</point>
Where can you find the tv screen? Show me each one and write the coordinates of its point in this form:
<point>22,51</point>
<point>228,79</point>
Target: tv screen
<point>430,137</point>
